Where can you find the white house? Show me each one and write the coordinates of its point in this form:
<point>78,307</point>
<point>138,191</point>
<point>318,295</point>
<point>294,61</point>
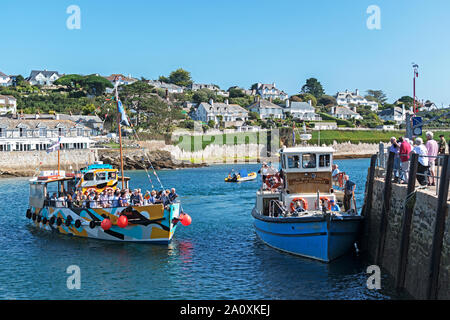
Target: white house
<point>43,77</point>
<point>347,98</point>
<point>171,88</point>
<point>266,109</point>
<point>270,91</point>
<point>39,134</point>
<point>8,104</point>
<point>231,114</point>
<point>4,79</point>
<point>394,114</point>
<point>120,79</point>
<point>345,113</point>
<point>428,106</point>
<point>301,110</point>
<point>198,86</point>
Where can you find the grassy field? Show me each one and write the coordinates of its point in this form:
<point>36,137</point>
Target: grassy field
<point>196,143</point>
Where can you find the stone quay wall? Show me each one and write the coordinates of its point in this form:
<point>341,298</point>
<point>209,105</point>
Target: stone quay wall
<point>420,240</point>
<point>26,163</point>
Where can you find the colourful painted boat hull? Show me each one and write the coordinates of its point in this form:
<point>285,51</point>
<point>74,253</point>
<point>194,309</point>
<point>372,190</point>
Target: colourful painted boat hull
<point>319,238</point>
<point>156,225</point>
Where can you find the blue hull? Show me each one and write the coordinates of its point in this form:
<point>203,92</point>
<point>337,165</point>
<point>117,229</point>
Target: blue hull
<point>319,238</point>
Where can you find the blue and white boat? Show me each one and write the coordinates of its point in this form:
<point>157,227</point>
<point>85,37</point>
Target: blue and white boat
<point>293,208</point>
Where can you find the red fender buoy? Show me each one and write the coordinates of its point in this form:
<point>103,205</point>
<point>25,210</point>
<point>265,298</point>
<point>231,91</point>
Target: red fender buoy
<point>106,224</point>
<point>185,219</point>
<point>122,222</point>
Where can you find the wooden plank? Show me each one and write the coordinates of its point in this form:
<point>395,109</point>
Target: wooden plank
<point>364,235</point>
<point>386,207</point>
<point>406,223</point>
<point>439,228</point>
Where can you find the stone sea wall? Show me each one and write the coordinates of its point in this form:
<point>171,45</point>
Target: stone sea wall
<point>420,240</point>
<point>26,163</point>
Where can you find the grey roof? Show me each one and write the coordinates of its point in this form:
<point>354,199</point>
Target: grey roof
<point>79,118</point>
<point>344,110</point>
<point>37,123</point>
<point>390,111</point>
<point>223,108</point>
<point>295,105</point>
<point>264,104</point>
<point>46,73</point>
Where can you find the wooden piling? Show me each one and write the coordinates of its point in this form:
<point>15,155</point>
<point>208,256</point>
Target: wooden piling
<point>367,208</point>
<point>406,223</point>
<point>439,228</point>
<point>386,207</point>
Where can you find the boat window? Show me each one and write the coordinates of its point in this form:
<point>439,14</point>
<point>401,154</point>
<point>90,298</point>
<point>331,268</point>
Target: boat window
<point>309,160</point>
<point>293,161</point>
<point>112,175</point>
<point>88,176</point>
<point>100,176</point>
<point>324,160</point>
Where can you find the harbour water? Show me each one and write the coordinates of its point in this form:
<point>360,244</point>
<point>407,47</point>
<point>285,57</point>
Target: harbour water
<point>217,257</point>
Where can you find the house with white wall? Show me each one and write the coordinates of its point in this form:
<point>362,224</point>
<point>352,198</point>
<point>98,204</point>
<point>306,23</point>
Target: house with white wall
<point>266,109</point>
<point>8,104</point>
<point>345,113</point>
<point>346,98</point>
<point>43,77</point>
<point>270,91</point>
<point>301,110</point>
<point>230,114</point>
<point>5,80</point>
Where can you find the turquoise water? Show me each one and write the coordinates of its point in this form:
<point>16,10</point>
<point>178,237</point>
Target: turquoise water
<point>217,257</point>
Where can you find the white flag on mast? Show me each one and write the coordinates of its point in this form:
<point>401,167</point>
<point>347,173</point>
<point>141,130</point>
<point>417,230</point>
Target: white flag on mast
<point>55,146</point>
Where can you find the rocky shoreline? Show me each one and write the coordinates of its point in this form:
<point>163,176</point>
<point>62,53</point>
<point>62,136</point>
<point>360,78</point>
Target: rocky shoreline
<point>160,159</point>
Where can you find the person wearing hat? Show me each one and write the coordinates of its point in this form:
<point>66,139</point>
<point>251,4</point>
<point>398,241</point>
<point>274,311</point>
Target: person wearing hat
<point>334,206</point>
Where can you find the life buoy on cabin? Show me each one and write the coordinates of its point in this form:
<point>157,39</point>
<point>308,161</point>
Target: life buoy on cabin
<point>273,181</point>
<point>327,200</point>
<point>303,201</point>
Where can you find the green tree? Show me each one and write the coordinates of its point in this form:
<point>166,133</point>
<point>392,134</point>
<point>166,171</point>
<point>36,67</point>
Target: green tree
<point>326,100</point>
<point>313,87</point>
<point>96,85</point>
<point>71,81</point>
<point>379,95</point>
<point>236,92</point>
<point>305,97</point>
<point>180,77</point>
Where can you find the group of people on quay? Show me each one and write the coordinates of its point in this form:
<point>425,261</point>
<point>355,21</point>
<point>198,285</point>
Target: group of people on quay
<point>110,198</point>
<point>428,157</point>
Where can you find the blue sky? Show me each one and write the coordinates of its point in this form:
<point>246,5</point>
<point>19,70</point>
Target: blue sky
<point>238,42</point>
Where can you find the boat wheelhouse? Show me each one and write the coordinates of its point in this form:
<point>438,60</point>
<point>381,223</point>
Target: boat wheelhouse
<point>295,209</point>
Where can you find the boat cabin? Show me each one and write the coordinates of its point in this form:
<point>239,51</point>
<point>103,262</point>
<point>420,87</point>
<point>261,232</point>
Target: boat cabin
<point>306,174</point>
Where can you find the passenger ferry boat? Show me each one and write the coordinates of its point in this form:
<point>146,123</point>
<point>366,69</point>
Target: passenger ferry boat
<point>292,211</point>
<point>153,223</point>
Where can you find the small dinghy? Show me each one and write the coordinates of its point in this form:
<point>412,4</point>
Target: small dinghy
<point>240,176</point>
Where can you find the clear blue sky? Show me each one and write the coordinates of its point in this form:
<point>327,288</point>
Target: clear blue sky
<point>238,42</point>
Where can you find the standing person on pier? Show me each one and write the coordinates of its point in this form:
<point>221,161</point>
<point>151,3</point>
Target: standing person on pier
<point>395,148</point>
<point>405,149</point>
<point>432,150</point>
<point>422,167</point>
<point>443,148</point>
<point>349,189</point>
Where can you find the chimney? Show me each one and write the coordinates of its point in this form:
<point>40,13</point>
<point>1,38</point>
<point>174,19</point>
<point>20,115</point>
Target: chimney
<point>353,108</point>
<point>357,92</point>
<point>270,98</point>
<point>287,103</point>
<point>403,111</point>
<point>346,90</point>
<point>226,101</point>
<point>332,110</point>
<point>211,102</point>
<point>309,102</point>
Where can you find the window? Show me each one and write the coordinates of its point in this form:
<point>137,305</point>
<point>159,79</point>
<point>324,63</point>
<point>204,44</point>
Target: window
<point>89,176</point>
<point>293,161</point>
<point>112,175</point>
<point>100,176</point>
<point>324,160</point>
<point>309,160</point>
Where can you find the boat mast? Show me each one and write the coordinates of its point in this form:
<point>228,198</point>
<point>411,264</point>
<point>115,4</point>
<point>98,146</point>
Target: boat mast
<point>120,139</point>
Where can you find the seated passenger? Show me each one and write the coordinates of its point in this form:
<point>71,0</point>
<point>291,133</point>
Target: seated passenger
<point>298,207</point>
<point>123,201</point>
<point>172,195</point>
<point>134,198</point>
<point>53,200</point>
<point>334,206</point>
<point>61,202</point>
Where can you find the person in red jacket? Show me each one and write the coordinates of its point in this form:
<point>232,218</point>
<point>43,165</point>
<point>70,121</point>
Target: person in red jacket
<point>405,149</point>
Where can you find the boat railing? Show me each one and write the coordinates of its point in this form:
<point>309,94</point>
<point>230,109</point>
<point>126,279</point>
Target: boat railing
<point>94,204</point>
<point>399,173</point>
